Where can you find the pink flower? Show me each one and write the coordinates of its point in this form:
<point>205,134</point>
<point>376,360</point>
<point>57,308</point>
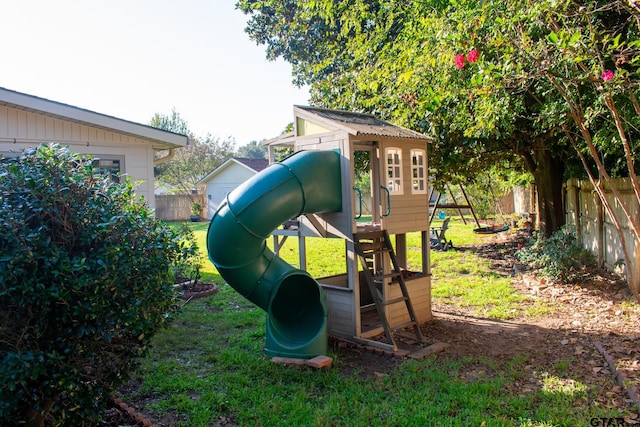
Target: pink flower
<point>607,75</point>
<point>472,56</point>
<point>459,61</point>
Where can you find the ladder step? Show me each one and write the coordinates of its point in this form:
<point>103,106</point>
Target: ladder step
<point>367,246</point>
<point>384,276</point>
<point>369,235</point>
<point>395,300</point>
<point>376,251</point>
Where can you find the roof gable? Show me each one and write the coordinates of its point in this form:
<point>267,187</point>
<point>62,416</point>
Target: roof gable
<point>254,165</point>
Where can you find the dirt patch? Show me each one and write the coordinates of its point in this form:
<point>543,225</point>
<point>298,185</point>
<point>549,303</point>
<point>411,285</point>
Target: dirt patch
<point>592,336</point>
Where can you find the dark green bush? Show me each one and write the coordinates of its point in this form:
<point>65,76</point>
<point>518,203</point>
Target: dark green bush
<point>557,257</point>
<point>85,281</point>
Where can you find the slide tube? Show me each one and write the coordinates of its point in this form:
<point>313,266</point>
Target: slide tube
<point>305,182</point>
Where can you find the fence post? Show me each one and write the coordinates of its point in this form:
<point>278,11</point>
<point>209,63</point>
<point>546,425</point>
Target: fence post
<point>575,191</point>
<point>599,231</point>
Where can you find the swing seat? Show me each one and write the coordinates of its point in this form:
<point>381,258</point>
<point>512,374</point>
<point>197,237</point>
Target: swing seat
<point>492,229</point>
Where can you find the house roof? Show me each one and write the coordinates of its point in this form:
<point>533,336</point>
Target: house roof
<point>164,139</point>
<point>355,123</point>
<point>255,165</point>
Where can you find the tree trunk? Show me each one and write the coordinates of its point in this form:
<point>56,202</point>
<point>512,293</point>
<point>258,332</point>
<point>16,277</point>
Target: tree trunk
<point>548,173</point>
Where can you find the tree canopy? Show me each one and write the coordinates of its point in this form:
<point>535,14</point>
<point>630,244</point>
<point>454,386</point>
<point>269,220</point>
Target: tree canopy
<point>469,73</point>
<point>253,150</point>
<point>188,165</point>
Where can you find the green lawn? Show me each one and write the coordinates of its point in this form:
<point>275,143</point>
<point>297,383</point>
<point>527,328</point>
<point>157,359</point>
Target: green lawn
<point>208,368</point>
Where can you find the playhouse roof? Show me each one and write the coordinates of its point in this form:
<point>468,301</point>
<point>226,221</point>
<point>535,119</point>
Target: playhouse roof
<point>355,123</point>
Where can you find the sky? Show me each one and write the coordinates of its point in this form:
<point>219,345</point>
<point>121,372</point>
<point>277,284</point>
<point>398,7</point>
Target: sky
<point>134,58</point>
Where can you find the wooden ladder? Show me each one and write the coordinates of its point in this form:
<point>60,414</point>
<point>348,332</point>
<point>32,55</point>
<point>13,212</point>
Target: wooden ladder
<point>367,245</point>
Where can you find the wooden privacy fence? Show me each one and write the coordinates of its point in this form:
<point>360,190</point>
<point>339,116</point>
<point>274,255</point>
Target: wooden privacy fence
<point>177,207</point>
<point>595,229</point>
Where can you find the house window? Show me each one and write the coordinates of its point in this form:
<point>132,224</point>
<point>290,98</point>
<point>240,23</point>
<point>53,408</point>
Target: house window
<point>394,170</point>
<point>418,172</point>
<point>112,164</point>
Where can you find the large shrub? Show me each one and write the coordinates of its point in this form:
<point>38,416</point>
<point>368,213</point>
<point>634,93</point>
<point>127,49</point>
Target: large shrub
<point>85,281</point>
<point>558,257</point>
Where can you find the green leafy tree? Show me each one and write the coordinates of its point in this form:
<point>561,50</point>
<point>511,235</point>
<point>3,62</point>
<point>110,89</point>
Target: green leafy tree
<point>253,150</point>
<point>85,283</point>
<point>172,123</point>
<point>183,168</point>
<point>578,63</point>
<point>396,60</point>
<point>539,85</point>
<point>590,57</point>
<point>192,163</point>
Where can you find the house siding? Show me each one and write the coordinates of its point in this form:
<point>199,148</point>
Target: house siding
<point>225,181</point>
<point>30,129</point>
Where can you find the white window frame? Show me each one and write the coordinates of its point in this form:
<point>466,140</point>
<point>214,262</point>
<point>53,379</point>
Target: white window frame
<point>418,171</point>
<point>393,163</point>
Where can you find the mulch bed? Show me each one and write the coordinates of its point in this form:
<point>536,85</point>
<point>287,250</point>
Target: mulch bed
<point>192,290</point>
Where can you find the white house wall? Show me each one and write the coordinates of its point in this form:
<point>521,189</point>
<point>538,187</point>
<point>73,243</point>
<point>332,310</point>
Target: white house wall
<point>29,129</point>
<point>223,183</point>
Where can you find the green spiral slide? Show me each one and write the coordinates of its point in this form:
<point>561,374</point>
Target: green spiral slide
<point>305,182</point>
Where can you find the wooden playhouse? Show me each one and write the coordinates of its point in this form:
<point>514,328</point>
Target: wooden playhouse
<point>385,286</point>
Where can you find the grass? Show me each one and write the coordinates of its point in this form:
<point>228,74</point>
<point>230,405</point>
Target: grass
<point>463,279</point>
<point>208,368</point>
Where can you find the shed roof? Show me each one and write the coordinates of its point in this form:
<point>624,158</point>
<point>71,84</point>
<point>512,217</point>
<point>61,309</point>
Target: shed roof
<point>255,164</point>
<point>162,138</point>
<point>355,123</point>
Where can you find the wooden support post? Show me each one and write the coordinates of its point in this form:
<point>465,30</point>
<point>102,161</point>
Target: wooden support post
<point>457,206</point>
<point>470,206</point>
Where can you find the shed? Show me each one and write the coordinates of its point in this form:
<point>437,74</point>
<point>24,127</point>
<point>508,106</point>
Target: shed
<point>226,177</point>
<point>118,145</point>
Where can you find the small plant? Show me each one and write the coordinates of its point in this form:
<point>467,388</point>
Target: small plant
<point>196,208</point>
<point>85,282</point>
<point>187,266</point>
<point>558,256</point>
